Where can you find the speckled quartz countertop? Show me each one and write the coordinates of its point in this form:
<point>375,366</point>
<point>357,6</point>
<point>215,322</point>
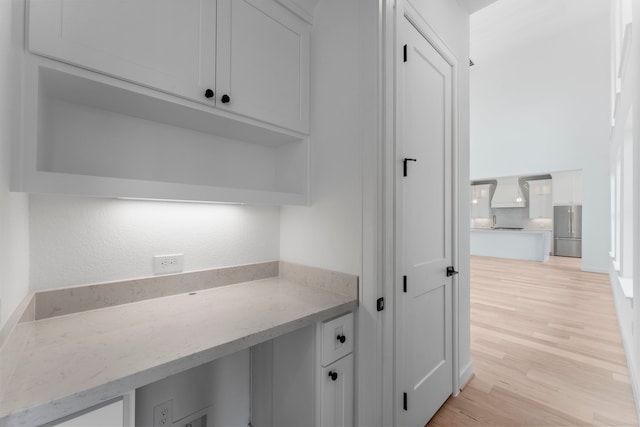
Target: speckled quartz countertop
<point>67,363</point>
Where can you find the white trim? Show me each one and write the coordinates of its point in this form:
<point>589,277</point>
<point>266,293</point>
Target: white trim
<point>466,374</point>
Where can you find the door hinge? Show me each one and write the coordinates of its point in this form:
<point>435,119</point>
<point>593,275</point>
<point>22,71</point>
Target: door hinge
<point>404,165</point>
<point>404,53</point>
<point>404,283</point>
<point>405,402</point>
<point>380,304</point>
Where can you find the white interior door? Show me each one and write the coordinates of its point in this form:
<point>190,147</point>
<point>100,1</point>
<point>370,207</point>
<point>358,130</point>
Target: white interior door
<point>424,313</point>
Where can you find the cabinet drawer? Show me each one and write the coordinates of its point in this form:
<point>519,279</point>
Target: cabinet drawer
<point>337,338</point>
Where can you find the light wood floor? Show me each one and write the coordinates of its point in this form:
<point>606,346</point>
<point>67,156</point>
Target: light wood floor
<point>545,347</point>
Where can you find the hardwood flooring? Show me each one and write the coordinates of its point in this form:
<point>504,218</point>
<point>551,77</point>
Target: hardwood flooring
<point>546,349</point>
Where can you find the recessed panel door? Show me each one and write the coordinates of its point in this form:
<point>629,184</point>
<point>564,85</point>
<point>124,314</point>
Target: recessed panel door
<point>424,362</point>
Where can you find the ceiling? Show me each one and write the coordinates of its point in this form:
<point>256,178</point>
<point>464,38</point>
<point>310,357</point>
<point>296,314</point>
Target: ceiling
<point>506,24</point>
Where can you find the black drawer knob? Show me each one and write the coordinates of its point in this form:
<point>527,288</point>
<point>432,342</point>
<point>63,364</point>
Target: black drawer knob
<point>333,375</point>
<point>225,99</point>
<point>208,94</point>
<point>341,338</point>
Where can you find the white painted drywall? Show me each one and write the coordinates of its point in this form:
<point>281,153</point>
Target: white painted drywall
<point>545,107</point>
<point>14,230</point>
<point>328,234</point>
<point>81,240</point>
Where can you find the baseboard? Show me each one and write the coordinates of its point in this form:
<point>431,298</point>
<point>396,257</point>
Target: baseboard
<point>594,269</point>
<point>466,374</point>
<point>633,378</point>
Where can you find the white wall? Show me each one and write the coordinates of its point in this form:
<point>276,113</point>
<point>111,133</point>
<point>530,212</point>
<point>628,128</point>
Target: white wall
<point>14,231</point>
<point>545,107</point>
<point>328,234</point>
<point>80,240</point>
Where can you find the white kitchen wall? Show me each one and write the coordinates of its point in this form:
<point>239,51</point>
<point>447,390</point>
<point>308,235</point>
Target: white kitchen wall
<point>14,229</point>
<point>81,240</point>
<point>545,107</point>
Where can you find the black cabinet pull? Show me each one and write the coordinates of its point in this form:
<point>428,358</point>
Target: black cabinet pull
<point>208,94</point>
<point>225,99</point>
<point>333,375</point>
<point>341,338</point>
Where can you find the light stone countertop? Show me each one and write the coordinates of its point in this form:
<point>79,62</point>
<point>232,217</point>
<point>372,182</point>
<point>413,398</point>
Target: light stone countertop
<point>68,363</point>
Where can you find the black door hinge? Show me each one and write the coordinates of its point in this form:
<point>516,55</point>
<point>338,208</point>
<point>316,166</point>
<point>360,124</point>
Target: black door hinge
<point>404,283</point>
<point>404,165</point>
<point>404,53</point>
<point>380,304</point>
<point>405,402</point>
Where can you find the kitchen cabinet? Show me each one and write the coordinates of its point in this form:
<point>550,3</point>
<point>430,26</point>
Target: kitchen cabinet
<point>263,63</point>
<point>481,201</point>
<point>540,199</point>
<point>113,113</point>
<point>164,44</point>
<point>188,48</point>
<point>336,377</point>
<point>305,377</point>
<point>116,413</point>
<point>567,188</point>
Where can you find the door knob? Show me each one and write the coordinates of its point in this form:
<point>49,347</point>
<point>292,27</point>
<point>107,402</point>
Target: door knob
<point>451,271</point>
<point>341,338</point>
<point>225,99</point>
<point>208,93</point>
<point>333,375</point>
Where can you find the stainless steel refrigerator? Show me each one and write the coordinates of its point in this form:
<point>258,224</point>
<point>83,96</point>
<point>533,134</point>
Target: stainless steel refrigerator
<point>567,231</point>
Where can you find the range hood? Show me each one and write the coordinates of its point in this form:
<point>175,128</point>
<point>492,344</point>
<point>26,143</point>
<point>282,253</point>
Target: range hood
<point>508,194</point>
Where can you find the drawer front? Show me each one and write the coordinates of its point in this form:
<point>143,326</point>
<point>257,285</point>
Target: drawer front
<point>337,338</point>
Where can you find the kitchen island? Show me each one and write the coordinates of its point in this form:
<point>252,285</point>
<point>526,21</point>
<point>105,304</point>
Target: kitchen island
<point>532,245</point>
<point>56,366</point>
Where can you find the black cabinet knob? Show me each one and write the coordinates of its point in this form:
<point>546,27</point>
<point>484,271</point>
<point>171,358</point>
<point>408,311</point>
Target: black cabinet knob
<point>208,93</point>
<point>225,99</point>
<point>333,375</point>
<point>341,338</point>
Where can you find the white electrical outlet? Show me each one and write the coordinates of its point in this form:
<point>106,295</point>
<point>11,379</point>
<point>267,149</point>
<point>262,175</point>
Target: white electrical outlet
<point>163,264</point>
<point>163,414</point>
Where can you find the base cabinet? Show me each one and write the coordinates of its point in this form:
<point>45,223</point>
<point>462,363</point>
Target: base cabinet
<point>305,378</point>
<point>336,404</point>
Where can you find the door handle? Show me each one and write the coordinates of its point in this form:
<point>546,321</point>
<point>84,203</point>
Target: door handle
<point>451,271</point>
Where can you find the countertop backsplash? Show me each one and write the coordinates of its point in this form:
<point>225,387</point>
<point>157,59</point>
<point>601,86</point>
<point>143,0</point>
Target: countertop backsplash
<point>513,217</point>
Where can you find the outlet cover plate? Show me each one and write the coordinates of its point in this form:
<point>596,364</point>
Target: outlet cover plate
<point>163,414</point>
<point>165,264</point>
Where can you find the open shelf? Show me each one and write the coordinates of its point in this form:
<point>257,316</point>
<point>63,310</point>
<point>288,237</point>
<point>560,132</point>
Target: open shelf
<point>89,134</point>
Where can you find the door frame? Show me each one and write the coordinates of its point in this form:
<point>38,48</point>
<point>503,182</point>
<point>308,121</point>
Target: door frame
<point>396,11</point>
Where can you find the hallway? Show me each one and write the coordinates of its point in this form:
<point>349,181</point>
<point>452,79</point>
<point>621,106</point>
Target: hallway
<point>546,349</point>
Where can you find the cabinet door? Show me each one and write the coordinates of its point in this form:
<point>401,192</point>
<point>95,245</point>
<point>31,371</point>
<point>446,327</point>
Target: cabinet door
<point>263,63</point>
<point>576,188</point>
<point>336,406</point>
<point>561,188</point>
<point>163,44</point>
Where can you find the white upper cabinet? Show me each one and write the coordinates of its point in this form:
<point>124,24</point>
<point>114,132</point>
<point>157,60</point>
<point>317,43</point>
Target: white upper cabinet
<point>567,188</point>
<point>249,57</point>
<point>263,63</point>
<point>163,44</point>
<point>540,199</point>
<point>481,201</point>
